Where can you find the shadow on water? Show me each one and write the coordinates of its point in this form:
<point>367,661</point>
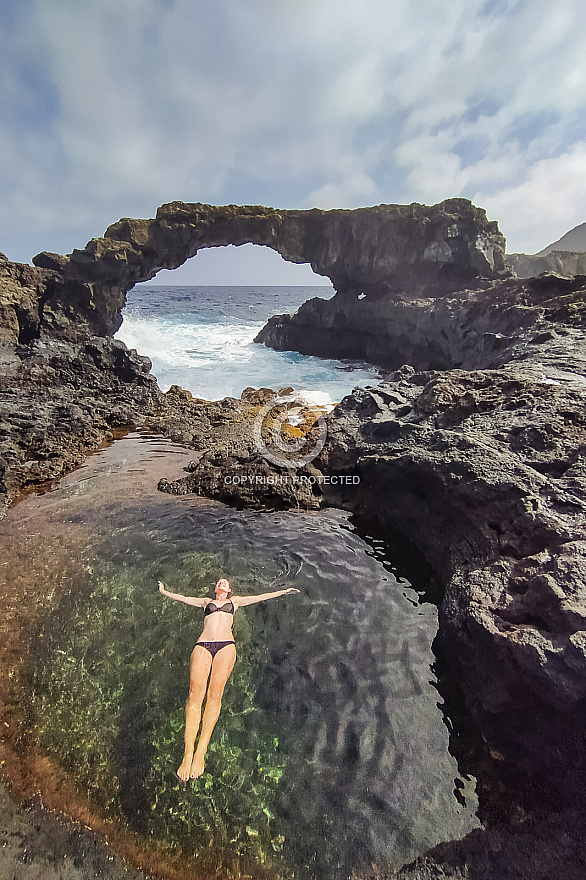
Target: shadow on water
<point>331,752</point>
<point>133,755</point>
<point>475,763</point>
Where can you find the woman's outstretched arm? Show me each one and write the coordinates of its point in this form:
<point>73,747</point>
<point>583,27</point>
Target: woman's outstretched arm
<point>240,601</point>
<point>189,600</point>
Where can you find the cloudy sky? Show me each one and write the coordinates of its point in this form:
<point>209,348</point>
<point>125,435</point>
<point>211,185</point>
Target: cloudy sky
<point>112,107</point>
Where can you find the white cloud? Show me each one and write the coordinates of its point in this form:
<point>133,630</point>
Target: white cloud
<point>352,189</point>
<point>550,201</point>
<point>118,106</point>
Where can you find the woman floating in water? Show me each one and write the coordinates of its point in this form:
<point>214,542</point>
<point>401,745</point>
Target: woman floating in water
<point>212,661</point>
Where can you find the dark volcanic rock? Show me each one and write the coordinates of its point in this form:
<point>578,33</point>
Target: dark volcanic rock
<point>484,473</point>
<point>545,848</point>
<point>478,328</point>
<point>22,293</point>
<point>231,468</point>
<point>59,400</point>
<point>398,249</point>
<point>243,480</point>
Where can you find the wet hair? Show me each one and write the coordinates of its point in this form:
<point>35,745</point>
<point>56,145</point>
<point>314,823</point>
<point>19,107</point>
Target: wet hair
<point>226,584</point>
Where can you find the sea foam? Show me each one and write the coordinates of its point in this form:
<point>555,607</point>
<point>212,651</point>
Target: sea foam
<point>202,339</point>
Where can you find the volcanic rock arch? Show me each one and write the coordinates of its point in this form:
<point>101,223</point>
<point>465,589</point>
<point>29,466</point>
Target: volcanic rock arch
<point>396,250</point>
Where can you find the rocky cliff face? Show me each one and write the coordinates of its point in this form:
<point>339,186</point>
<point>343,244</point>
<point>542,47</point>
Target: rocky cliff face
<point>566,263</point>
<point>59,400</point>
<point>22,289</point>
<point>485,472</point>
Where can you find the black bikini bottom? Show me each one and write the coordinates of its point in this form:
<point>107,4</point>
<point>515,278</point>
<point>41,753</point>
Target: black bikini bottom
<point>214,647</point>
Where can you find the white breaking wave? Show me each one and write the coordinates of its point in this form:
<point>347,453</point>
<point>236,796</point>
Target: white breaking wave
<point>218,358</point>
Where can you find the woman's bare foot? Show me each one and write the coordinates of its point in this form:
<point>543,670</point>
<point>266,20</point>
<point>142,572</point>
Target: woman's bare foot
<point>183,772</point>
<point>197,766</point>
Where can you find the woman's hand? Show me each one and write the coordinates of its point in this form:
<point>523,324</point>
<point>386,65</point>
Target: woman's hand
<point>161,587</point>
<point>291,590</point>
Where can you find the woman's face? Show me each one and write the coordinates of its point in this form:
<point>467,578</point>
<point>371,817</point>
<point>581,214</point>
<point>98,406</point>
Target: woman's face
<point>221,590</point>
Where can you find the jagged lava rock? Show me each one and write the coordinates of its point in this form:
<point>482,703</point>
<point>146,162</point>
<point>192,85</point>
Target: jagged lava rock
<point>485,473</point>
<point>22,291</point>
<point>59,400</point>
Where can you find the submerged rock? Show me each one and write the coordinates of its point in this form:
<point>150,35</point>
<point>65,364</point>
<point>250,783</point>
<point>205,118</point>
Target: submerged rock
<point>39,844</point>
<point>536,848</point>
<point>22,289</point>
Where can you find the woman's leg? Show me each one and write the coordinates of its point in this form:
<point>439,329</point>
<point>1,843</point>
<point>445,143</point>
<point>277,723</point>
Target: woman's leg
<point>199,671</point>
<point>222,666</point>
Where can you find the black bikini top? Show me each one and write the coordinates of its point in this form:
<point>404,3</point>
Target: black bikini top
<point>227,606</point>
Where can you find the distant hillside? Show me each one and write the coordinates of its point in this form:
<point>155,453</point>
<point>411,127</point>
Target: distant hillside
<point>574,240</point>
<point>567,256</point>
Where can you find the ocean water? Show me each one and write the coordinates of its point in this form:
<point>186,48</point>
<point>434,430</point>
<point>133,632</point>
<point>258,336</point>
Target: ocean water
<point>201,338</point>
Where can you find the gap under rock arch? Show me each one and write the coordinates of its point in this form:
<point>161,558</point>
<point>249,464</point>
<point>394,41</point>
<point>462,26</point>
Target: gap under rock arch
<point>247,265</point>
<point>197,324</point>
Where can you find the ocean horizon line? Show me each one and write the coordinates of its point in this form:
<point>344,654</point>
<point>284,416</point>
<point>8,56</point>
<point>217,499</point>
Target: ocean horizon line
<point>309,286</point>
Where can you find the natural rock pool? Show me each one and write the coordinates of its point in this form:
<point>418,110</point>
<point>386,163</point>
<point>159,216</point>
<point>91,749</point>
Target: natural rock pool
<point>331,751</point>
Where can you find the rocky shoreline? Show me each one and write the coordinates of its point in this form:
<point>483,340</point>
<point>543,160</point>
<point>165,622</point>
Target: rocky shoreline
<point>473,449</point>
<point>37,843</point>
